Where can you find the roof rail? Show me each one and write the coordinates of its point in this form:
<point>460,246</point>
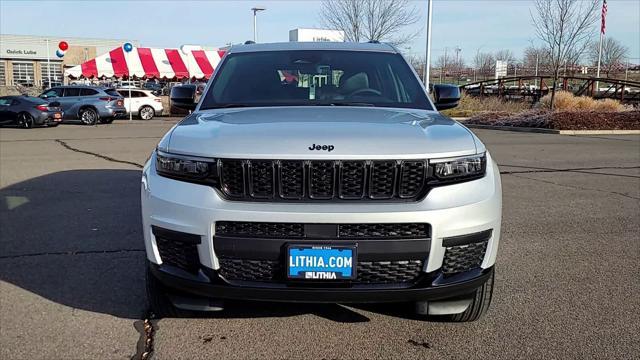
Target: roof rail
<point>373,42</point>
<point>248,42</point>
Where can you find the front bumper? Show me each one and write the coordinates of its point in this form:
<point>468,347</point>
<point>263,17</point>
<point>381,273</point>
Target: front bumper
<point>451,211</point>
<point>434,287</point>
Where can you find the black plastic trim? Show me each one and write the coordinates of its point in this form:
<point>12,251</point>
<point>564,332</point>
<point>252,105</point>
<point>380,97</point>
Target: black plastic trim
<point>467,238</point>
<point>218,288</point>
<point>175,235</point>
<point>368,250</point>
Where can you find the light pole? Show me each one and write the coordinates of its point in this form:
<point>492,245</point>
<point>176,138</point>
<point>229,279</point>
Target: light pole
<point>457,64</point>
<point>255,22</point>
<point>48,65</point>
<point>427,61</point>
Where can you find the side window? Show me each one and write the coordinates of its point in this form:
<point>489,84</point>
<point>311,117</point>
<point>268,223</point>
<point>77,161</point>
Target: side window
<point>88,92</point>
<point>139,94</point>
<point>5,102</point>
<point>53,93</point>
<point>134,94</point>
<point>112,92</point>
<point>71,92</point>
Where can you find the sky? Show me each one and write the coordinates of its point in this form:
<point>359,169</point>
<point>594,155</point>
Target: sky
<point>472,25</point>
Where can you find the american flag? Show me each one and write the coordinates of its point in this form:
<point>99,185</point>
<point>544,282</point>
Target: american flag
<point>603,25</point>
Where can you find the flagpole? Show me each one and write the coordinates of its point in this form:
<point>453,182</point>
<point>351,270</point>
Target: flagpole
<point>599,59</point>
<point>603,15</point>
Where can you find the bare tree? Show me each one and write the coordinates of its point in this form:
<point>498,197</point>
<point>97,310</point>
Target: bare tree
<point>505,55</point>
<point>536,56</point>
<point>613,54</point>
<point>483,63</point>
<point>378,20</point>
<point>418,62</point>
<point>564,27</point>
<point>449,65</point>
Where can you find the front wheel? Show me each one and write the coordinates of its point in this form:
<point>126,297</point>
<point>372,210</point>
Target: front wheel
<point>158,298</point>
<point>88,116</point>
<point>25,120</point>
<point>146,113</point>
<point>479,304</point>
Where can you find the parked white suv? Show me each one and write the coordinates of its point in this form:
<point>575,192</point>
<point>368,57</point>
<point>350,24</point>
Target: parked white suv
<point>321,172</point>
<point>144,104</point>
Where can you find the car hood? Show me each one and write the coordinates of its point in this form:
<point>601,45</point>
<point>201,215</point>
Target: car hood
<point>292,132</point>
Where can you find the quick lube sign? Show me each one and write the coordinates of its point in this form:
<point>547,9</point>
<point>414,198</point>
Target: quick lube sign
<point>25,52</point>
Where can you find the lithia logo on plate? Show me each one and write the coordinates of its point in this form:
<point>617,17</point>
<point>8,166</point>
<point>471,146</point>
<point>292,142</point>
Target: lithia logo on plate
<point>320,275</point>
<point>328,148</point>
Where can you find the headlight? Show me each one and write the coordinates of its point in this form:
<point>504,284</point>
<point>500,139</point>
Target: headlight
<point>450,170</point>
<point>187,168</point>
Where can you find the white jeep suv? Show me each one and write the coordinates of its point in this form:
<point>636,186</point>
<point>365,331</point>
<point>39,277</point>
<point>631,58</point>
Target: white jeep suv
<point>321,172</point>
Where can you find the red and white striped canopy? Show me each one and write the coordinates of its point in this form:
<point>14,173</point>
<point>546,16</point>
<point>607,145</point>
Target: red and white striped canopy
<point>150,63</point>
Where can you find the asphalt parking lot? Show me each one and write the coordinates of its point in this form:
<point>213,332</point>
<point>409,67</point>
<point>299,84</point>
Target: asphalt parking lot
<point>72,261</point>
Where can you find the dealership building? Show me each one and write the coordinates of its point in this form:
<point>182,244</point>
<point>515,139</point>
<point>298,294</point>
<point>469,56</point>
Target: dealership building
<point>31,60</point>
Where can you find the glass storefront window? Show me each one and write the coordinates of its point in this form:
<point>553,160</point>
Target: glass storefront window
<point>56,74</point>
<point>23,73</point>
<point>3,74</point>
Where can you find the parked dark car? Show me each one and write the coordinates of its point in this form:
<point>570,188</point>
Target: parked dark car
<point>89,104</point>
<point>183,99</point>
<point>29,111</point>
<point>155,88</point>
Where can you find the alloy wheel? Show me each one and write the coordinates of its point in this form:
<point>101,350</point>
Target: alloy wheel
<point>146,113</point>
<point>88,117</point>
<point>25,120</point>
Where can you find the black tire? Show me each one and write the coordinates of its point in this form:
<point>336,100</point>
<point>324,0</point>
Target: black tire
<point>159,302</point>
<point>88,116</point>
<point>146,113</point>
<point>25,120</point>
<point>479,304</point>
<point>106,120</point>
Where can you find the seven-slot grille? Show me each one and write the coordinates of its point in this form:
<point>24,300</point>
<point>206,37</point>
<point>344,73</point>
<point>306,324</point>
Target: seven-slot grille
<point>300,180</point>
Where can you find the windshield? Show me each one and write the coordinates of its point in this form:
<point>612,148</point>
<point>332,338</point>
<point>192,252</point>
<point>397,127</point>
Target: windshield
<point>290,78</point>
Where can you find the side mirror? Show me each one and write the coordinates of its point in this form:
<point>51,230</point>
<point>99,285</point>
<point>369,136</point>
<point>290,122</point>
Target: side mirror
<point>446,96</point>
<point>183,97</point>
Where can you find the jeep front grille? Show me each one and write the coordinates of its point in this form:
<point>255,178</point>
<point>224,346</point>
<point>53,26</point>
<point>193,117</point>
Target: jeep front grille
<point>323,180</point>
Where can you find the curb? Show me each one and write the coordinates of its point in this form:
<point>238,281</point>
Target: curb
<point>554,131</point>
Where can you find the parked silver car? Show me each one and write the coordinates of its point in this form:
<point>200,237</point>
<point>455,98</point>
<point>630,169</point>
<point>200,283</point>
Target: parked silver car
<point>89,104</point>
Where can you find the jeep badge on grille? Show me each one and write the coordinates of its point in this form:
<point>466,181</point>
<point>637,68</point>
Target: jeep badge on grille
<point>328,148</point>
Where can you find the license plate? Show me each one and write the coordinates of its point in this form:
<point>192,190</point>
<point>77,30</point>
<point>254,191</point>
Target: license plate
<point>57,116</point>
<point>321,262</point>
